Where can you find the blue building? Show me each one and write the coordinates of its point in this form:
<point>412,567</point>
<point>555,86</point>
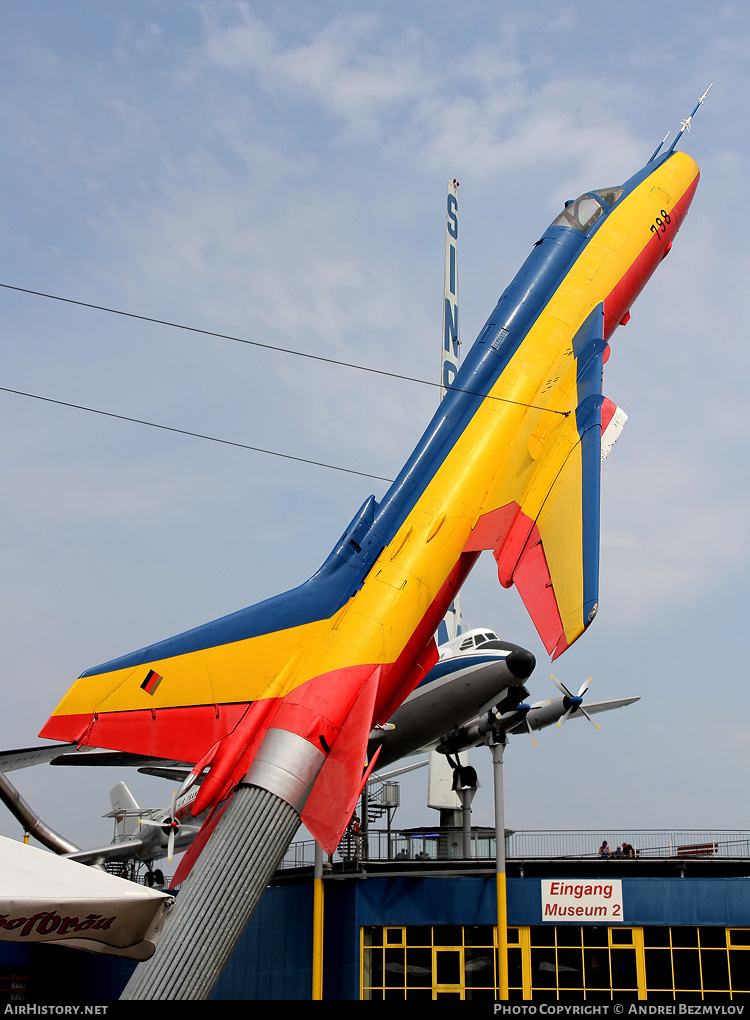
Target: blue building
<point>671,923</point>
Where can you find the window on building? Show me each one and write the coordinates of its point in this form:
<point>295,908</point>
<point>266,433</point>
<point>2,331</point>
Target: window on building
<point>421,961</point>
<point>686,960</point>
<point>555,963</point>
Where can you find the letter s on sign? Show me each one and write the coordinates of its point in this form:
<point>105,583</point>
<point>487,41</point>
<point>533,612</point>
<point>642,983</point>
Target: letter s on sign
<point>452,224</point>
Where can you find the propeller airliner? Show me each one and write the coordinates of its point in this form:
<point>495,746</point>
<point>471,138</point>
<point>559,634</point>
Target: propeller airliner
<point>518,716</point>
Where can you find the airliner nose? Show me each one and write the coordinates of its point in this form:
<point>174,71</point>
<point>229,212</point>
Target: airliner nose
<point>520,663</point>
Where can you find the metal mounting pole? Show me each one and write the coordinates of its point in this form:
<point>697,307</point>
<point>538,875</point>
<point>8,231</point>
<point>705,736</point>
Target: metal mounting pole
<point>497,741</point>
<point>466,796</point>
<point>365,824</point>
<point>317,961</point>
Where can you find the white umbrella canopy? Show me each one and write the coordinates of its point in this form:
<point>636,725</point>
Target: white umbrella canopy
<point>44,898</point>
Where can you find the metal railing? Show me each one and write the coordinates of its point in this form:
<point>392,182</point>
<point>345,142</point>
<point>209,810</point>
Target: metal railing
<point>653,843</point>
<point>580,844</point>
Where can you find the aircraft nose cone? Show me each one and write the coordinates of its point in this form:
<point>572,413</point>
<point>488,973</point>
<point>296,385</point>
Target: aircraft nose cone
<point>521,663</point>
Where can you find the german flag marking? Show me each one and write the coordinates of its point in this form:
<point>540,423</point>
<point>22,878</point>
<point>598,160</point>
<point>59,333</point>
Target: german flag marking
<point>151,682</point>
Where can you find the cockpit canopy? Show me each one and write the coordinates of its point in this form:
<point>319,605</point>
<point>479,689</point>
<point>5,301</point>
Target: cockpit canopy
<point>586,210</point>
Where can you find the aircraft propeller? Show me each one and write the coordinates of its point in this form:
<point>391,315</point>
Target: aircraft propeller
<point>524,708</point>
<point>174,825</point>
<point>495,717</point>
<point>573,702</point>
<point>170,825</point>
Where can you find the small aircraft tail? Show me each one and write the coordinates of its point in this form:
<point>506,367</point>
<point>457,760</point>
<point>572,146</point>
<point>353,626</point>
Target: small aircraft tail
<point>125,810</point>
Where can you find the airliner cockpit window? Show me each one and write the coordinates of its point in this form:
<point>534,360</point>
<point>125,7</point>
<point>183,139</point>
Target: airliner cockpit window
<point>581,214</point>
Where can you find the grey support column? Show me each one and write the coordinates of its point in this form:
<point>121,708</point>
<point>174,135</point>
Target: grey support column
<point>218,898</point>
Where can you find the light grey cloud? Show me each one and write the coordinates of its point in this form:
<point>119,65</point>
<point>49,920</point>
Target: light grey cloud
<point>671,542</point>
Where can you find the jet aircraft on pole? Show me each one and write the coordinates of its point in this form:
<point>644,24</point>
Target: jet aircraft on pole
<point>275,703</point>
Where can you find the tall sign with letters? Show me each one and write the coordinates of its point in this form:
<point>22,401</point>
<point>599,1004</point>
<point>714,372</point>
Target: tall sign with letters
<point>449,363</point>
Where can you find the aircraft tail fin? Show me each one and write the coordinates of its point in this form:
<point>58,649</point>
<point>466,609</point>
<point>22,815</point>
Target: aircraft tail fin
<point>124,809</point>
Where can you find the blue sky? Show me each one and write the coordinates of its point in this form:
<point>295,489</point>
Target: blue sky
<point>277,171</point>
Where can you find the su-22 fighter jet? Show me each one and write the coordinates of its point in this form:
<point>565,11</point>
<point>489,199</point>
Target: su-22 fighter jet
<point>282,695</point>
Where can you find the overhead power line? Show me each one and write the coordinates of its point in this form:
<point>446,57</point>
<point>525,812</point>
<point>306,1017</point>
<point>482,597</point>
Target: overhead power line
<point>221,336</point>
<point>196,435</point>
<point>241,340</point>
<point>269,347</point>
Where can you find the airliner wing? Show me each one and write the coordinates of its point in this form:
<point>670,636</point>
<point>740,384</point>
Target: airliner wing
<point>606,706</point>
<point>118,759</point>
<point>24,757</point>
<point>111,852</point>
<point>68,754</point>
